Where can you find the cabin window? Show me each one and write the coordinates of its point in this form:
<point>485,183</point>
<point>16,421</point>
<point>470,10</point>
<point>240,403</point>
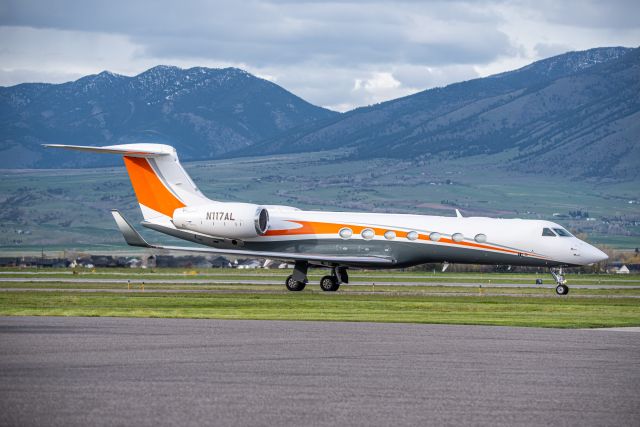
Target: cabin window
<point>548,232</point>
<point>367,234</point>
<point>435,236</point>
<point>480,238</point>
<point>390,235</point>
<point>562,232</point>
<point>457,237</point>
<point>345,233</point>
<point>412,235</point>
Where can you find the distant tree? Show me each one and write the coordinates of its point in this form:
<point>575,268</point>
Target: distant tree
<point>578,214</point>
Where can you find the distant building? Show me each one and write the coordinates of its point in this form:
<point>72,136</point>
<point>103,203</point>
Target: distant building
<point>284,265</point>
<point>220,262</point>
<point>623,270</point>
<point>38,262</point>
<point>150,261</point>
<point>9,261</point>
<point>620,268</point>
<point>248,264</point>
<point>134,263</point>
<point>192,261</point>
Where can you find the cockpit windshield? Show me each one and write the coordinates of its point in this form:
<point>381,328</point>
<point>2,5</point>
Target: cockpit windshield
<point>548,232</point>
<point>562,232</point>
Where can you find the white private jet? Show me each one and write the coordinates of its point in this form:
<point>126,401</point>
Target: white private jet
<point>172,204</point>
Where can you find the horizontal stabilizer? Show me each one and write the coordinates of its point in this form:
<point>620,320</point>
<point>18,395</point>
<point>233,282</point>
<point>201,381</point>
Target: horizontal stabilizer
<point>130,150</point>
<point>133,238</point>
<point>159,181</point>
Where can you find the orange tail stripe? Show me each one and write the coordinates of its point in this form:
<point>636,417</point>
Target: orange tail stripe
<point>149,190</point>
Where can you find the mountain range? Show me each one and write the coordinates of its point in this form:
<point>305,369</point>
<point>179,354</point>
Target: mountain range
<point>576,114</point>
<point>203,112</point>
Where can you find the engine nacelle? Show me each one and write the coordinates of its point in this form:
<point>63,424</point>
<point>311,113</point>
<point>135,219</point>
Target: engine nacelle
<point>228,220</point>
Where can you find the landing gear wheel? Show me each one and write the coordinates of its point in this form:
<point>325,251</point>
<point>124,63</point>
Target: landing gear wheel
<point>561,288</point>
<point>329,284</point>
<point>294,285</point>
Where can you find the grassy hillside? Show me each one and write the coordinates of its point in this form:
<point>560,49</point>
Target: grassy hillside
<point>65,209</point>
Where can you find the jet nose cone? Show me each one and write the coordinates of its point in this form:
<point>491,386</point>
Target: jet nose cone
<point>593,255</point>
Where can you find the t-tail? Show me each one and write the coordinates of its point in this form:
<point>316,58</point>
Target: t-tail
<point>159,181</point>
<point>172,204</point>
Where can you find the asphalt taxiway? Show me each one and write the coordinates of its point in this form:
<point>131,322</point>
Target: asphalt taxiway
<point>109,371</point>
<point>258,281</point>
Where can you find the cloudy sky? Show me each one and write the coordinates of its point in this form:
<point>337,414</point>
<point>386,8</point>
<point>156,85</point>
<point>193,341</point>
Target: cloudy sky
<point>336,54</point>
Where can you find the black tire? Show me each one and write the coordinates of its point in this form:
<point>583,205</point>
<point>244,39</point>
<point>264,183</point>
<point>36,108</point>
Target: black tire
<point>562,289</point>
<point>329,284</point>
<point>294,285</point>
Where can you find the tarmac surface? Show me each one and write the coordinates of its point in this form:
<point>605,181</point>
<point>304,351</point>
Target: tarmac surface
<point>254,272</point>
<point>257,281</point>
<point>283,291</point>
<point>144,372</point>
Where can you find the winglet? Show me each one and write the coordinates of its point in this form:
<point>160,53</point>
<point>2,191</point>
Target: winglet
<point>131,236</point>
<point>458,214</point>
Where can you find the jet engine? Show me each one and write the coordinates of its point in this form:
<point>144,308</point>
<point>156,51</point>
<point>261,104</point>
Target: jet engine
<point>227,220</point>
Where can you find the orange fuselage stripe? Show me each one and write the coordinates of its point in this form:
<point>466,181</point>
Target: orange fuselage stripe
<point>149,190</point>
<point>311,228</point>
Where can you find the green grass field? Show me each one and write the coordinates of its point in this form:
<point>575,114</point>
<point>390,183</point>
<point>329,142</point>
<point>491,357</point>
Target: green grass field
<point>433,302</point>
<point>357,276</point>
<point>504,311</point>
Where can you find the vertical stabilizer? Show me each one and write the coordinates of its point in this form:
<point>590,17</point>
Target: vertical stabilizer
<point>159,181</point>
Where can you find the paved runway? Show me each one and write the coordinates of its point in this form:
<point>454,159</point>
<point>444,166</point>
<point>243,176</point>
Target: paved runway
<point>106,371</point>
<point>283,291</point>
<point>257,281</point>
<point>261,273</point>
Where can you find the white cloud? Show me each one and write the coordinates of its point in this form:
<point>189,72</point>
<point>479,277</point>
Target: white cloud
<point>378,87</point>
<point>58,55</point>
<point>539,29</point>
<point>335,54</point>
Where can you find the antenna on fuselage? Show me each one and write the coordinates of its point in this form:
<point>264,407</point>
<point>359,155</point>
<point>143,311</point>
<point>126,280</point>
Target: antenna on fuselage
<point>458,214</point>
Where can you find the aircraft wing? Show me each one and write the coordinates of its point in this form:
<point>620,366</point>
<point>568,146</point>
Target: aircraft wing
<point>133,238</point>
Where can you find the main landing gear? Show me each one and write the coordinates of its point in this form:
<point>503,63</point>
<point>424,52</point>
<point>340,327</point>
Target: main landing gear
<point>293,285</point>
<point>561,282</point>
<point>298,280</point>
<point>330,283</point>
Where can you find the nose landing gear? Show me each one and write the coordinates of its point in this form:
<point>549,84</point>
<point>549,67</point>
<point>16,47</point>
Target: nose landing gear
<point>561,282</point>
